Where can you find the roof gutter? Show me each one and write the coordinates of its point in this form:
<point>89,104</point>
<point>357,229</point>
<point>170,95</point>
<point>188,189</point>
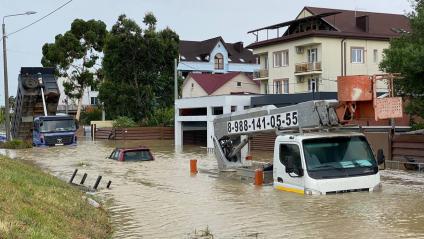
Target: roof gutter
<point>343,57</point>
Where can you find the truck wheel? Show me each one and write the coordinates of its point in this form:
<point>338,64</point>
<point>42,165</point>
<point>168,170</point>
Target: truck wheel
<point>29,83</point>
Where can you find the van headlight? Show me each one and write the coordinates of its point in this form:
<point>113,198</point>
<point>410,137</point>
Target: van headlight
<point>309,191</point>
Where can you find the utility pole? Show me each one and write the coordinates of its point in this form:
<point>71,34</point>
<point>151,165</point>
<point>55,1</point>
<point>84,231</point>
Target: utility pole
<point>6,85</point>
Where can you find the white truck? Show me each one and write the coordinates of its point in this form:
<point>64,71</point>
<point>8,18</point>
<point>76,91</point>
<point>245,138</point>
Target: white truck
<point>313,154</point>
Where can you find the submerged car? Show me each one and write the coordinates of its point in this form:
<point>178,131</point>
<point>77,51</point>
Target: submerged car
<point>132,154</point>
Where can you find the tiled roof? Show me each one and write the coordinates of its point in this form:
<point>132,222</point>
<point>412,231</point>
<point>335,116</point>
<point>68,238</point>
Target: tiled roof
<point>200,50</point>
<point>381,26</point>
<point>212,82</point>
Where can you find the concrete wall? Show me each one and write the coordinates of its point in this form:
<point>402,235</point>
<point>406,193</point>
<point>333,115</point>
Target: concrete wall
<point>209,102</point>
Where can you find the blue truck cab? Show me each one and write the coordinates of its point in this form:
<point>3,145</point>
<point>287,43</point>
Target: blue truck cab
<point>54,130</point>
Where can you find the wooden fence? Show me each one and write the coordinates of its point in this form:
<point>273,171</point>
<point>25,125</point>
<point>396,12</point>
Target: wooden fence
<point>139,133</point>
<point>408,148</point>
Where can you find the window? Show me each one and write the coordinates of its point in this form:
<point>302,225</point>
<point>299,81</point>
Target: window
<point>278,87</point>
<point>219,61</point>
<point>291,151</point>
<point>114,154</point>
<point>238,84</point>
<point>312,55</point>
<point>357,55</point>
<point>281,58</point>
<point>313,85</point>
<point>142,155</point>
<point>375,56</point>
<point>286,86</point>
<point>93,100</point>
<point>343,156</point>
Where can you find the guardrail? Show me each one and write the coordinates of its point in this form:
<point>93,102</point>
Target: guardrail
<point>262,73</point>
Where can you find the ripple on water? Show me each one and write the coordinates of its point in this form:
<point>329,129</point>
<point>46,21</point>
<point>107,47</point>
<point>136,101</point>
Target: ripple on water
<point>160,199</point>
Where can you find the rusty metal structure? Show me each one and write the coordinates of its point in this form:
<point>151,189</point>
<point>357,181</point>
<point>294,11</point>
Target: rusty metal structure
<point>359,102</point>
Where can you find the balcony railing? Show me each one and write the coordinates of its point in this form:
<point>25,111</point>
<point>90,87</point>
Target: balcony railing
<point>308,67</point>
<point>262,73</point>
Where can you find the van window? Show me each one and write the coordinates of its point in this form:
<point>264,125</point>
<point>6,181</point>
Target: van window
<point>114,154</point>
<point>290,151</point>
<point>137,155</point>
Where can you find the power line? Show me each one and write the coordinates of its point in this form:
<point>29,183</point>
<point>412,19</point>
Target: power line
<point>50,13</point>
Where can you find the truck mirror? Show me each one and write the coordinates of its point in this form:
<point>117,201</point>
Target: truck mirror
<point>76,124</point>
<point>380,157</point>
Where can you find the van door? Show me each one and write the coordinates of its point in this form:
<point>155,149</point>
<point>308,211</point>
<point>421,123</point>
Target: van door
<point>288,181</point>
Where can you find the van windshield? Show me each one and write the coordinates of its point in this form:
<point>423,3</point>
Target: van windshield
<point>338,154</point>
<point>57,125</point>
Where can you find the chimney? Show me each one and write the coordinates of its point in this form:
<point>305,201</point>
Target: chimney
<point>363,23</point>
<point>238,46</point>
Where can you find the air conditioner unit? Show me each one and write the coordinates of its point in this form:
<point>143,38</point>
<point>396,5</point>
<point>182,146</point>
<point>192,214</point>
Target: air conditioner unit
<point>299,50</point>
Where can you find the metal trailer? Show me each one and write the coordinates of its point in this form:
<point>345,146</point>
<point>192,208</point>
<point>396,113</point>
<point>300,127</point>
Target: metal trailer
<point>29,100</point>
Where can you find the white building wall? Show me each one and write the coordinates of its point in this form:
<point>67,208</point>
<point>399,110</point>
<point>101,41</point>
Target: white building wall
<point>208,102</point>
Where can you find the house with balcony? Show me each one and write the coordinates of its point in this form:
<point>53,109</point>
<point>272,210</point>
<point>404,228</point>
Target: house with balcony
<point>308,53</point>
<point>215,56</point>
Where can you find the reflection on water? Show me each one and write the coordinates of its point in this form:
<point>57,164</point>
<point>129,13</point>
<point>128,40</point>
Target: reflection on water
<point>160,199</point>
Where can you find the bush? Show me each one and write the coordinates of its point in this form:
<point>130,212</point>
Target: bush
<point>90,114</point>
<point>15,144</point>
<point>160,117</point>
<point>124,122</point>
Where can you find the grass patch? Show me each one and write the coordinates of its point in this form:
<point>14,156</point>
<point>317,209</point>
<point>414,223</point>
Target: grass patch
<point>15,144</point>
<point>34,204</point>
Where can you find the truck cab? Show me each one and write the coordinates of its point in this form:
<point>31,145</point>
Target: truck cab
<point>323,163</point>
<point>54,130</point>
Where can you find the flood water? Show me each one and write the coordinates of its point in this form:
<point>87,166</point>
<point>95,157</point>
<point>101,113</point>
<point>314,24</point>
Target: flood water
<point>160,199</point>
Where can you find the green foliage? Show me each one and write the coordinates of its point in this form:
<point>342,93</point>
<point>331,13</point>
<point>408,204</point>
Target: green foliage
<point>2,116</point>
<point>75,54</point>
<point>406,56</point>
<point>138,68</point>
<point>160,117</point>
<point>124,122</point>
<point>15,144</point>
<point>90,115</point>
<point>417,126</point>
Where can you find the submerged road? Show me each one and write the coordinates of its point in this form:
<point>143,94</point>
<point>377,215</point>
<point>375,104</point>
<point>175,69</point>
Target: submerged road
<point>160,199</point>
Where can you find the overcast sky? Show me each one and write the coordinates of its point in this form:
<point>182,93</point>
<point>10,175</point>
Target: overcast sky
<point>191,19</point>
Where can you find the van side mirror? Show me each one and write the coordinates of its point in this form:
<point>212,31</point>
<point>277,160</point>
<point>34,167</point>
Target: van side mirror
<point>380,157</point>
<point>76,124</point>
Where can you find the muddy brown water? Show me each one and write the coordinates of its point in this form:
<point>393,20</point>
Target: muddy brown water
<point>160,199</point>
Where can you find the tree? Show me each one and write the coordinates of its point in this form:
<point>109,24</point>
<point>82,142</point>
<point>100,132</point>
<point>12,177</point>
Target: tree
<point>138,68</point>
<point>75,55</point>
<point>406,56</point>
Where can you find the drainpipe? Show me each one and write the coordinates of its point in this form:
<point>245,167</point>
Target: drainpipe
<point>343,57</point>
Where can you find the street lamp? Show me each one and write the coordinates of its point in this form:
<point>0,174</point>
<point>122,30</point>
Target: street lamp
<point>6,84</point>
